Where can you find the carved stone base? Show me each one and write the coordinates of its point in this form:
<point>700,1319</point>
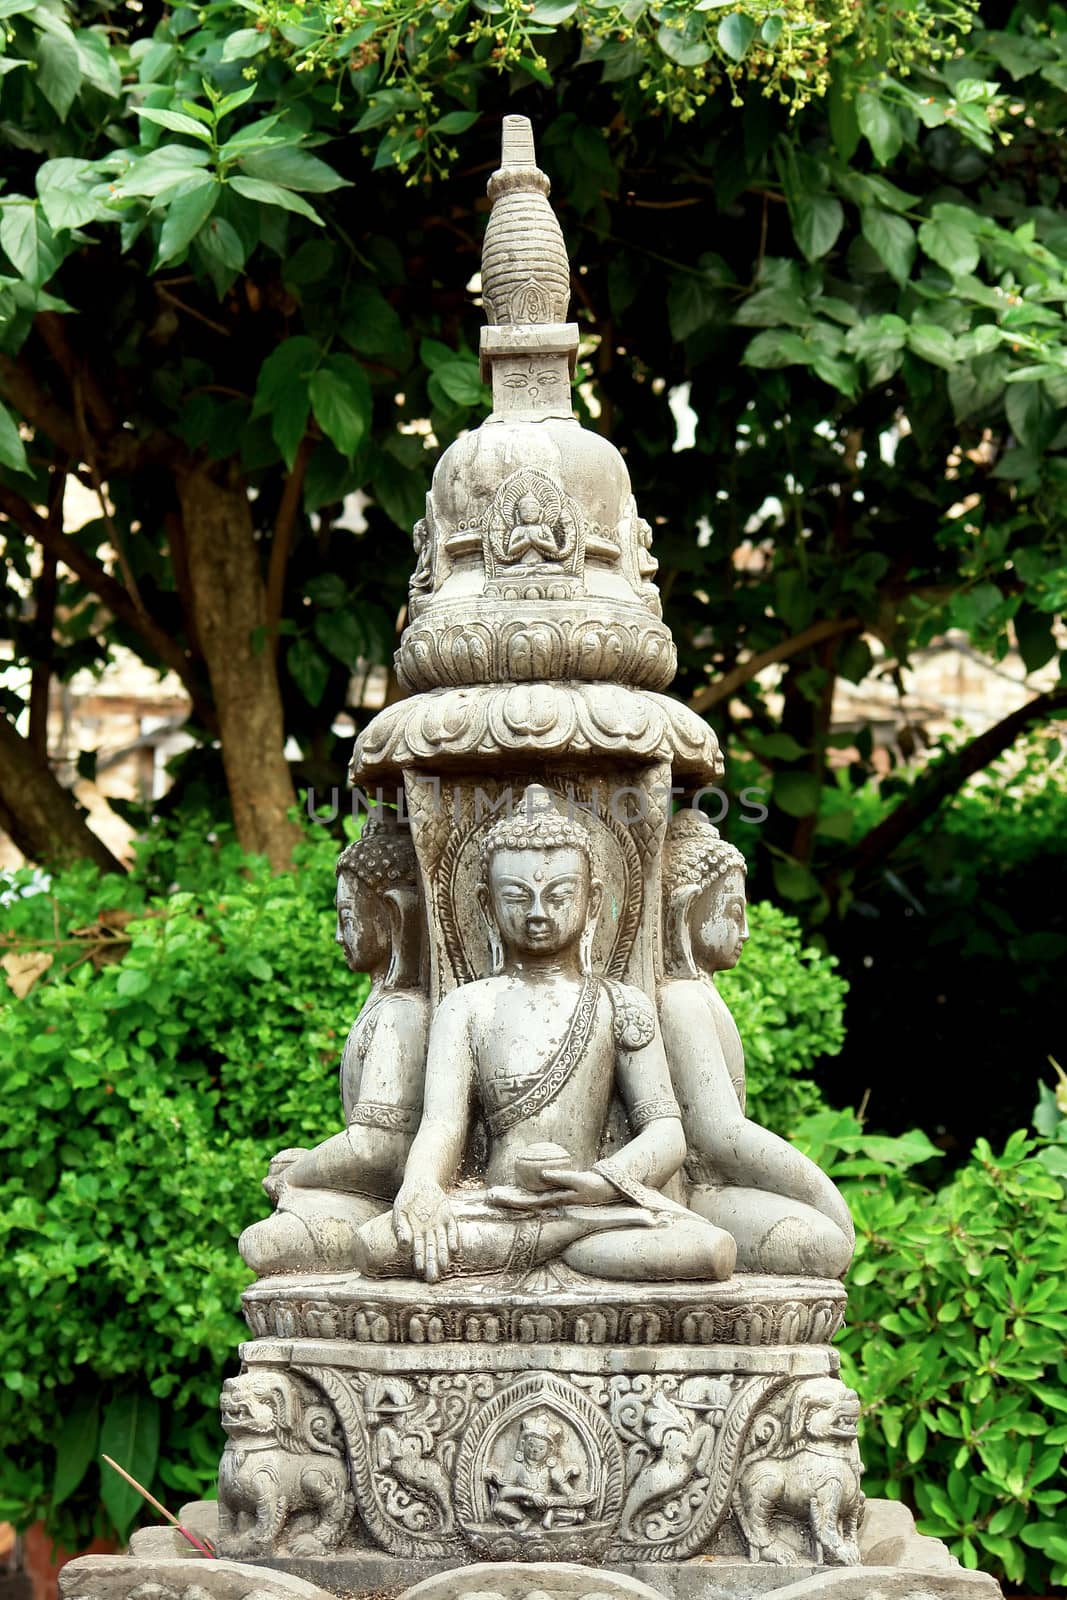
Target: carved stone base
<point>540,1452</point>
<point>897,1564</point>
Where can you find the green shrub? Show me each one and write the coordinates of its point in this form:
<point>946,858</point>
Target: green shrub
<point>146,1095</point>
<point>957,1340</point>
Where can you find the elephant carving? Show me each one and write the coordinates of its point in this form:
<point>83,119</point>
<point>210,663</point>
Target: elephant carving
<point>283,1480</point>
<point>806,1471</point>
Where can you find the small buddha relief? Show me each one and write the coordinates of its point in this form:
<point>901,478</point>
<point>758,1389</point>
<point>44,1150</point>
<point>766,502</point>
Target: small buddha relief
<point>540,1473</point>
<point>533,531</point>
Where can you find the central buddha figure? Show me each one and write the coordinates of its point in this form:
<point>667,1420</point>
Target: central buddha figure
<point>538,1049</point>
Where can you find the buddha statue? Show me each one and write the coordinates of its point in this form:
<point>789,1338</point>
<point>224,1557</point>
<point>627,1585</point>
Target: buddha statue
<point>323,1195</point>
<point>539,1048</point>
<point>783,1211</point>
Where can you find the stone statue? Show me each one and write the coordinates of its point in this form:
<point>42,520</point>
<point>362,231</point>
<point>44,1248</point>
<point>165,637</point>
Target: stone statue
<point>509,1284</point>
<point>784,1213</point>
<point>323,1195</point>
<point>539,1047</point>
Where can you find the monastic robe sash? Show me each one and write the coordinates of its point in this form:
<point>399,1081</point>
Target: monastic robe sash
<point>540,1089</point>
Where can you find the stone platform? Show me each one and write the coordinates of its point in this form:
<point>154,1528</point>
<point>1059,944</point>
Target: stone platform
<point>551,1305</point>
<point>897,1564</point>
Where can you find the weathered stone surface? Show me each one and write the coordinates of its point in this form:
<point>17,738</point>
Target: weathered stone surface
<point>555,1306</point>
<point>925,1571</point>
<point>160,1578</point>
<point>543,1580</point>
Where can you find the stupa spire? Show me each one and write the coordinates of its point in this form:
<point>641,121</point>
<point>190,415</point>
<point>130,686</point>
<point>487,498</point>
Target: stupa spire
<point>526,283</point>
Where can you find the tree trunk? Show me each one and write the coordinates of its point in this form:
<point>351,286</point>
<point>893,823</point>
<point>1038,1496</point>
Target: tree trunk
<point>230,613</point>
<point>38,813</point>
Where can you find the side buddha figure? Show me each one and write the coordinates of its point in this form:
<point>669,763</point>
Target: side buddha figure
<point>323,1195</point>
<point>783,1211</point>
<point>538,1048</point>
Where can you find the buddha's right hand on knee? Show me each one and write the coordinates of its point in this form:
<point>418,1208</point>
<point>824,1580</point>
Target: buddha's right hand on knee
<point>423,1219</point>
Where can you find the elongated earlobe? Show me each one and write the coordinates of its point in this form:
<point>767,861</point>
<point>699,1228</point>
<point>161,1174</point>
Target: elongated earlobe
<point>496,947</point>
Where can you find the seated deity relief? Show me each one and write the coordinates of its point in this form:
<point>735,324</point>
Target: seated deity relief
<point>537,1052</point>
<point>783,1211</point>
<point>323,1195</point>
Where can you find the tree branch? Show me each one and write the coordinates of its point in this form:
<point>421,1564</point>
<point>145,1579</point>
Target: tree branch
<point>38,813</point>
<point>96,578</point>
<point>943,779</point>
<point>737,677</point>
<point>44,620</point>
<point>283,534</point>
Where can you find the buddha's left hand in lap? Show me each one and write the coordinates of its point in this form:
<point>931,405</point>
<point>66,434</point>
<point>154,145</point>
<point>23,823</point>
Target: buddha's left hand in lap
<point>569,1189</point>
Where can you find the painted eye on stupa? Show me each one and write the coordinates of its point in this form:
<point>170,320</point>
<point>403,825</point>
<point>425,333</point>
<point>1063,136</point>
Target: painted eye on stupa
<point>516,380</point>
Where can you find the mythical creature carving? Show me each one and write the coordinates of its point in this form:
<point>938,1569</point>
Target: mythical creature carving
<point>804,1469</point>
<point>283,1481</point>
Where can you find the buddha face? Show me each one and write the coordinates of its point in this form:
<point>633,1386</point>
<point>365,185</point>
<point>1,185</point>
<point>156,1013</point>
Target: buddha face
<point>540,900</point>
<point>362,924</point>
<point>719,926</point>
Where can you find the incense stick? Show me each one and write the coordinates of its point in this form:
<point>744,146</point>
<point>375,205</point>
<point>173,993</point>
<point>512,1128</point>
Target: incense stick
<point>203,1545</point>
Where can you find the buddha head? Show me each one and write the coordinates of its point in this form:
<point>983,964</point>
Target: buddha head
<point>539,1441</point>
<point>537,890</point>
<point>378,916</point>
<point>705,927</point>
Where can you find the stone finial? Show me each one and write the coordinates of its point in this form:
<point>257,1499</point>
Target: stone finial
<point>526,276</point>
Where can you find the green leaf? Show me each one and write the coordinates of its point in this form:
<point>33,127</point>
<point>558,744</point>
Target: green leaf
<point>342,634</point>
<point>949,243</point>
<point>934,344</point>
<point>844,123</point>
<point>879,125</point>
<point>76,1444</point>
<point>771,31</point>
<point>98,63</point>
<point>282,392</point>
<point>59,74</point>
<point>271,194</point>
<point>774,348</point>
<point>133,981</point>
<point>1033,418</point>
<point>230,102</point>
<point>735,33</point>
<point>460,381</point>
<point>460,121</point>
<point>294,169</point>
<point>795,882</point>
<point>341,401</point>
<point>371,325</point>
<point>779,298</point>
<point>176,121</point>
<point>223,243</point>
<point>692,302</point>
<point>64,189</point>
<point>161,170</point>
<point>817,221</point>
<point>892,240</point>
<point>1037,646</point>
<point>549,13</point>
<point>184,219</point>
<point>796,793</point>
<point>245,42</point>
<point>687,46</point>
<point>129,1434</point>
<point>28,241</point>
<point>915,1441</point>
<point>12,449</point>
<point>309,669</point>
